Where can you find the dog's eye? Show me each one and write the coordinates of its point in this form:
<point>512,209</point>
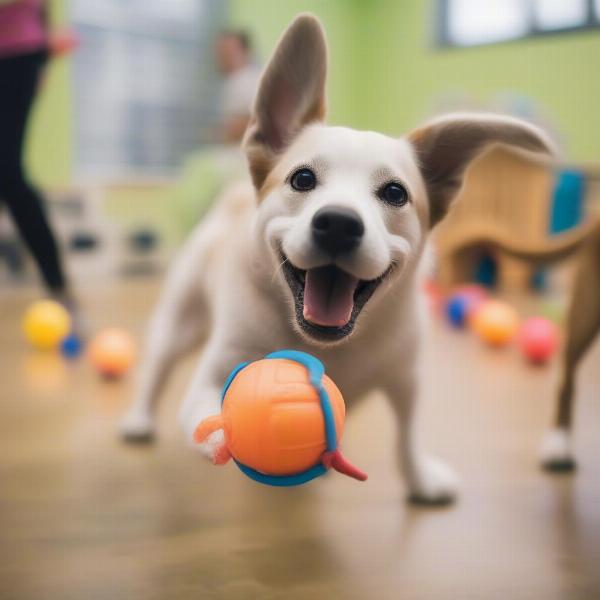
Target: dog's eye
<point>303,180</point>
<point>393,193</point>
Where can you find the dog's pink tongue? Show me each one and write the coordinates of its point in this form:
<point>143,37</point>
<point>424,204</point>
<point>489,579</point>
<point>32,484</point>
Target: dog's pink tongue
<point>329,296</point>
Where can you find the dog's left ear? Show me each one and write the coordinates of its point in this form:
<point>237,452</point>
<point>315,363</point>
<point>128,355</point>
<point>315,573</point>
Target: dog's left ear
<point>291,94</point>
<point>446,146</point>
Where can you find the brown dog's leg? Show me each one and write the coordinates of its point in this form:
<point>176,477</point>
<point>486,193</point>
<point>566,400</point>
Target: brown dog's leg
<point>583,324</point>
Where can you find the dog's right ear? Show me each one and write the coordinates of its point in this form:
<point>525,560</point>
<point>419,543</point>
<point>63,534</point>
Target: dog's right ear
<point>291,94</point>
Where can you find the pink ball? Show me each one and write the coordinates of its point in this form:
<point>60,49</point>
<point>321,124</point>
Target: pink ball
<point>538,339</point>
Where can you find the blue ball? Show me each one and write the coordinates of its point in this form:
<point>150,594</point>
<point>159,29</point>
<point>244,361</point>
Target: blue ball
<point>457,310</point>
<point>71,346</point>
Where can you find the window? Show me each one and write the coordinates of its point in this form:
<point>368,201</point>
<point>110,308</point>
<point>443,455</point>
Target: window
<point>558,14</point>
<point>474,22</point>
<point>145,90</point>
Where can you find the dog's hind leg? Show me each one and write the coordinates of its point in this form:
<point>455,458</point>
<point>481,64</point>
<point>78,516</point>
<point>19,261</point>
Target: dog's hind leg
<point>178,326</point>
<point>583,325</point>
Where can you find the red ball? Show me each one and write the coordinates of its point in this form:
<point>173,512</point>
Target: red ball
<point>538,339</point>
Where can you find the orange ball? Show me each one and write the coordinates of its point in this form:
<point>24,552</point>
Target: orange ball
<point>495,322</point>
<point>274,424</point>
<point>272,400</point>
<point>112,352</point>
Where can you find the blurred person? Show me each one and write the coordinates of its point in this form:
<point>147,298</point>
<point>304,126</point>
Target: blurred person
<point>24,49</point>
<point>210,169</point>
<point>234,60</point>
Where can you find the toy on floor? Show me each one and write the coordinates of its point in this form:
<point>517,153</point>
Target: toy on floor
<point>283,419</point>
<point>45,324</point>
<point>463,303</point>
<point>538,339</point>
<point>457,309</point>
<point>71,346</point>
<point>112,352</point>
<point>495,322</point>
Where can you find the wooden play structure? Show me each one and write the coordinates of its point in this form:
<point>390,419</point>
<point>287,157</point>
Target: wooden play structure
<point>519,203</point>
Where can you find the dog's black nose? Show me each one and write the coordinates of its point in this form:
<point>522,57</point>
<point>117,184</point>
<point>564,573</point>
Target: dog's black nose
<point>337,229</point>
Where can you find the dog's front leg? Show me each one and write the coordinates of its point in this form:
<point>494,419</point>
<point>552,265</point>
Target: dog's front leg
<point>202,400</point>
<point>429,480</point>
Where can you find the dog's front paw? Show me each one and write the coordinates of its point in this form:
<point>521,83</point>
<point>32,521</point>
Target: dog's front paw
<point>432,483</point>
<point>557,452</point>
<point>137,427</point>
<point>214,448</point>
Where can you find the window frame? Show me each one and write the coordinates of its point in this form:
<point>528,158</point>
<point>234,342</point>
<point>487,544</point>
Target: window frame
<point>444,41</point>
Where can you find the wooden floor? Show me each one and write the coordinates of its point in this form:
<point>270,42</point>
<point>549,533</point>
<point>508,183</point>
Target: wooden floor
<point>83,517</point>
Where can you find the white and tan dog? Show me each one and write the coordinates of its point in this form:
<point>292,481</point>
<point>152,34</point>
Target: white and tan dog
<point>320,253</point>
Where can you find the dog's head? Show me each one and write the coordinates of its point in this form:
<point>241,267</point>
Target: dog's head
<point>344,212</point>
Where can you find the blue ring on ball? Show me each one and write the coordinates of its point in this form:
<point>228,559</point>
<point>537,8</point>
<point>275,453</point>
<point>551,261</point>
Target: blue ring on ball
<point>316,370</point>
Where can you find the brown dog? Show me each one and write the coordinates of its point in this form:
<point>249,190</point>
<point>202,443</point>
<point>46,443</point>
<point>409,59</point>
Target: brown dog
<point>582,326</point>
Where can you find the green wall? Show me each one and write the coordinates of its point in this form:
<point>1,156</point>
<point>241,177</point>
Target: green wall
<point>386,71</point>
<point>384,74</point>
<point>49,147</point>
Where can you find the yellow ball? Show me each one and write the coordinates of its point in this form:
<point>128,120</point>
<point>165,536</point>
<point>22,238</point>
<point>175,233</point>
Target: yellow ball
<point>112,352</point>
<point>45,324</point>
<point>496,322</point>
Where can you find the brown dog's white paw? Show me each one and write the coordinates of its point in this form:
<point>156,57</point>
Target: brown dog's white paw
<point>434,483</point>
<point>557,451</point>
<point>137,428</point>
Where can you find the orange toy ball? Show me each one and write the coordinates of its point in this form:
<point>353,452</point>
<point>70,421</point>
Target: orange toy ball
<point>275,424</point>
<point>112,352</point>
<point>272,400</point>
<point>495,322</point>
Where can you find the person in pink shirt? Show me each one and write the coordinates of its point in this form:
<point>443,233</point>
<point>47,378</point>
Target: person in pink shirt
<point>24,49</point>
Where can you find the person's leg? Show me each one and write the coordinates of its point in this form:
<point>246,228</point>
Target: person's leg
<point>18,83</point>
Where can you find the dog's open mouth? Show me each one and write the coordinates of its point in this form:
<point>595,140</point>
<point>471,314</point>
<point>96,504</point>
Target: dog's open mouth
<point>327,299</point>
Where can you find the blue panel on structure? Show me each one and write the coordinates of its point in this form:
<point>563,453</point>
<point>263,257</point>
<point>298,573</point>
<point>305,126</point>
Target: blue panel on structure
<point>567,202</point>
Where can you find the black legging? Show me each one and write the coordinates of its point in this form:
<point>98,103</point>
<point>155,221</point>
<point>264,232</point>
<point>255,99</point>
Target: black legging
<point>19,77</point>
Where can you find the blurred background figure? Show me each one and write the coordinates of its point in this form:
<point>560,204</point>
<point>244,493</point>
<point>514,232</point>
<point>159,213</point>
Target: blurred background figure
<point>24,50</point>
<point>234,59</point>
